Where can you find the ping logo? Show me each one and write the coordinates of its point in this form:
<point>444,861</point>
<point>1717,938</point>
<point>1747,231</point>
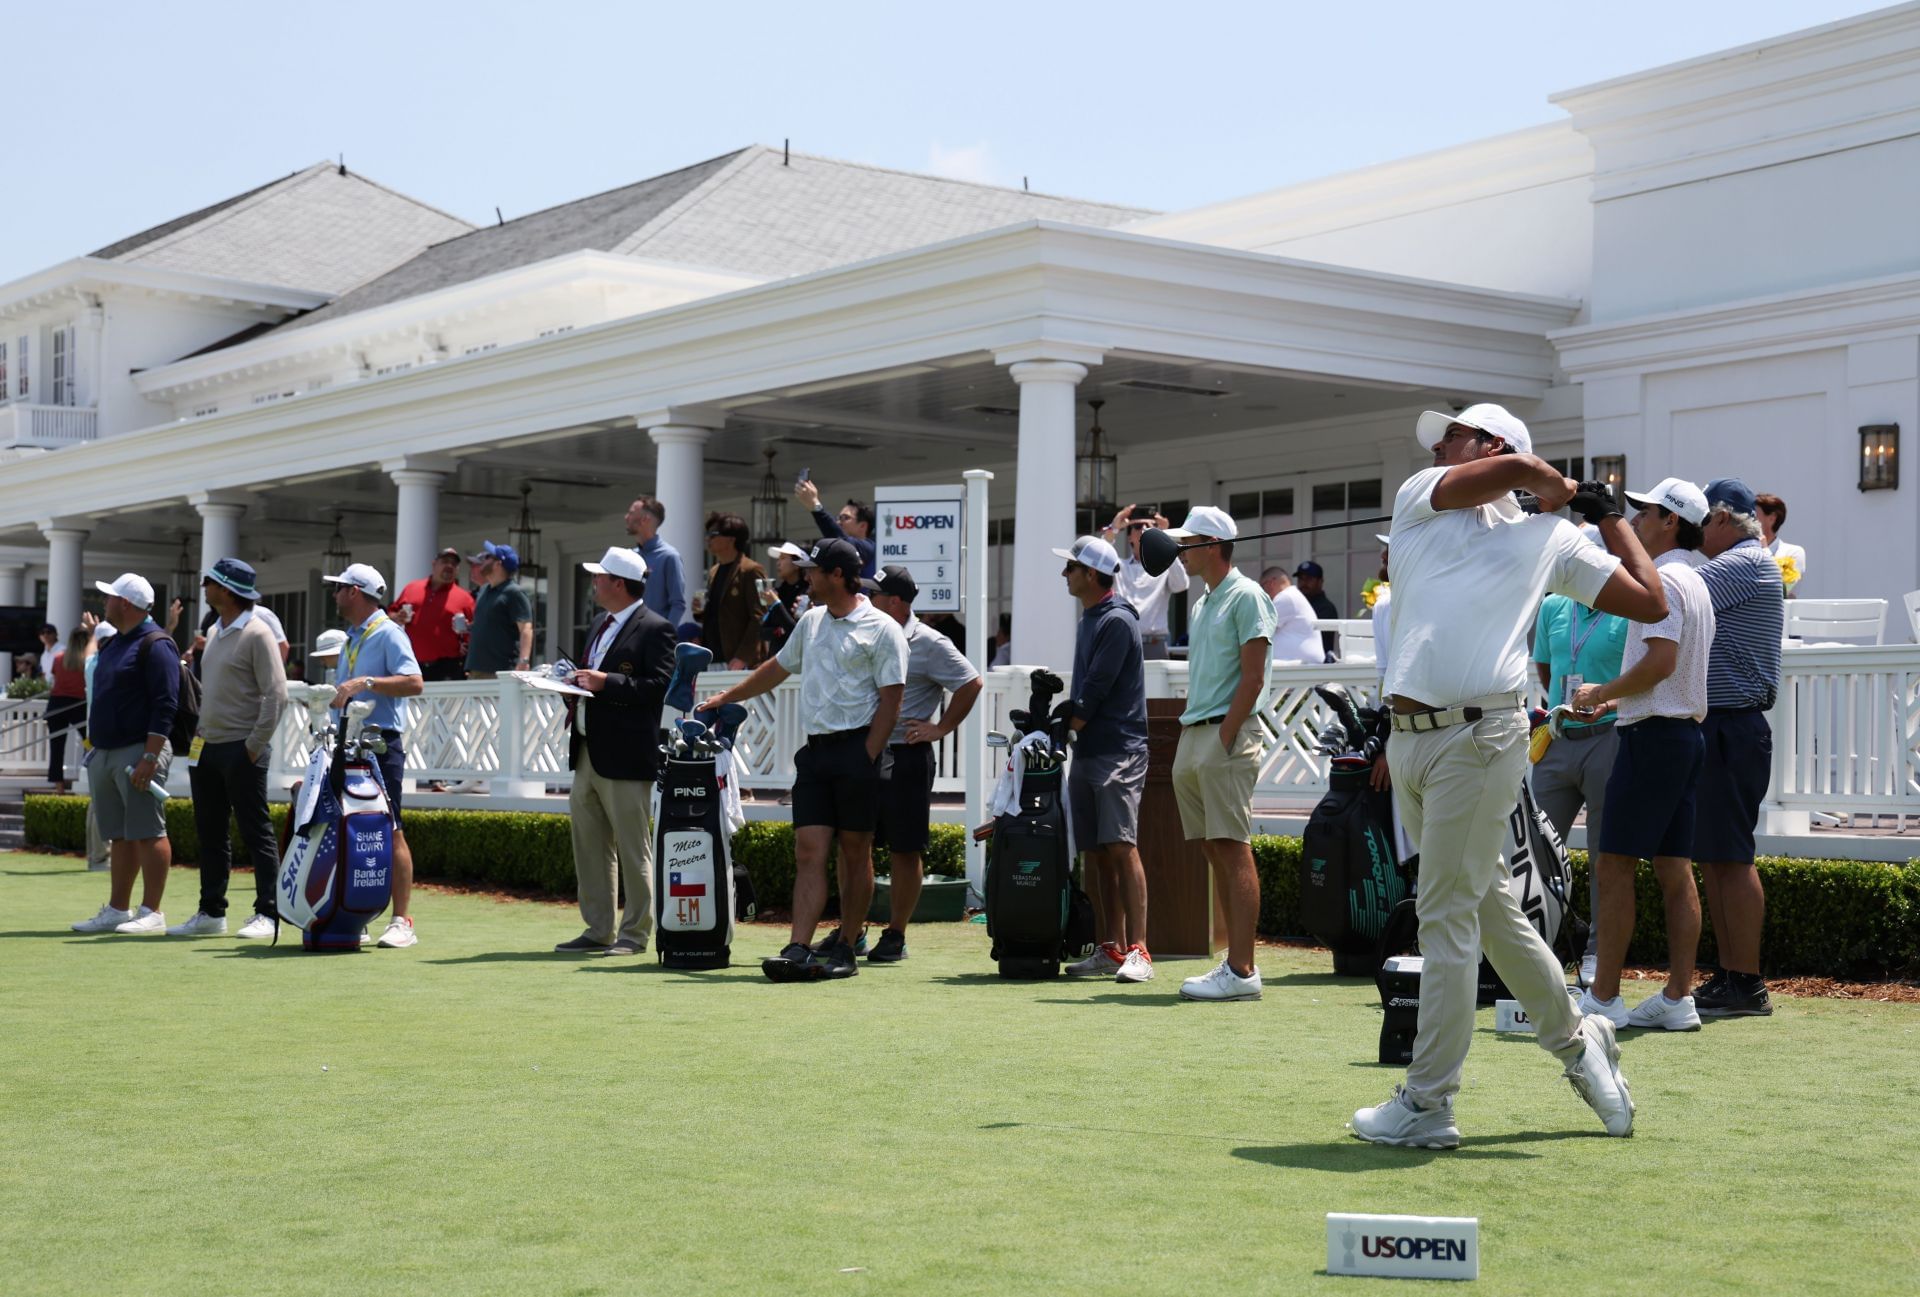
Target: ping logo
<point>689,792</point>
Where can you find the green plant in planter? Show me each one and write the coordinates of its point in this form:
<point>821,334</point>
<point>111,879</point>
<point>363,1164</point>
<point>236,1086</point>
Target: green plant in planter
<point>28,687</point>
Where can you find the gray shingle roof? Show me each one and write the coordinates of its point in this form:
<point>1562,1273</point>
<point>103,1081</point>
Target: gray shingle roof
<point>598,223</point>
<point>317,230</point>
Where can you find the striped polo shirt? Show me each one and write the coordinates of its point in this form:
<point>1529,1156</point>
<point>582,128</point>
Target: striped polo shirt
<point>1744,667</point>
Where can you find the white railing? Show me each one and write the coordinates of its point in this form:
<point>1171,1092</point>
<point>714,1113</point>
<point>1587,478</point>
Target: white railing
<point>1846,732</point>
<point>47,426</point>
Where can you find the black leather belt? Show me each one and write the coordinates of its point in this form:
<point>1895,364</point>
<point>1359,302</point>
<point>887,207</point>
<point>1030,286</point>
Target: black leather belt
<point>1211,720</point>
<point>1586,732</point>
<point>838,736</point>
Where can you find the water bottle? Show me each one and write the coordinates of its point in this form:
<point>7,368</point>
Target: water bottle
<point>158,789</point>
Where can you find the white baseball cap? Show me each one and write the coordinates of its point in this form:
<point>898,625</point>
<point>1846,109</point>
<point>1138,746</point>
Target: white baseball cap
<point>330,643</point>
<point>1384,538</point>
<point>621,562</point>
<point>362,577</point>
<point>103,632</point>
<point>788,548</point>
<point>1675,495</point>
<point>1205,520</point>
<point>135,589</point>
<point>1487,417</point>
<point>1091,551</point>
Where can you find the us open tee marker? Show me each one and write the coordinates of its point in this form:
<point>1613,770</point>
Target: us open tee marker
<point>1403,1247</point>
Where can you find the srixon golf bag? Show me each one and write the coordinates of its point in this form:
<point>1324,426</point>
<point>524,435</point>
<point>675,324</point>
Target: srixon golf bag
<point>337,874</point>
<point>693,879</point>
<point>1351,876</point>
<point>1036,913</point>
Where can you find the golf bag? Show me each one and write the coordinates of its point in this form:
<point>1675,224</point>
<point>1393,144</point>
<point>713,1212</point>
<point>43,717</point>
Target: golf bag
<point>694,878</point>
<point>337,874</point>
<point>1037,915</point>
<point>1350,878</point>
<point>1542,881</point>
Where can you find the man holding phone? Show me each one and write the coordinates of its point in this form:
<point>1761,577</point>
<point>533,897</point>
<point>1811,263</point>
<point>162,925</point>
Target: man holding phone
<point>428,608</point>
<point>1150,595</point>
<point>853,524</point>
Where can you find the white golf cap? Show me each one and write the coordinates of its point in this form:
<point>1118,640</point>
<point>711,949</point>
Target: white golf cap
<point>103,632</point>
<point>330,643</point>
<point>1205,520</point>
<point>1675,495</point>
<point>621,562</point>
<point>362,577</point>
<point>1091,551</point>
<point>1383,538</point>
<point>135,589</point>
<point>1487,417</point>
<point>788,548</point>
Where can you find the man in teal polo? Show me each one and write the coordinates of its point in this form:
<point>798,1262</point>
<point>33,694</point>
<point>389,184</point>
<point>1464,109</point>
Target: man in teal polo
<point>1575,645</point>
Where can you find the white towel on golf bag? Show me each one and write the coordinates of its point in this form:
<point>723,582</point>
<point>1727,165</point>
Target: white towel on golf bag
<point>1006,789</point>
<point>732,815</point>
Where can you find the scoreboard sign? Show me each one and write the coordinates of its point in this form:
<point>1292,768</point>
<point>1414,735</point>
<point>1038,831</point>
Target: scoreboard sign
<point>919,528</point>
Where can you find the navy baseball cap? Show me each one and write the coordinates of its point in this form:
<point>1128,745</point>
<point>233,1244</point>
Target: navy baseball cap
<point>833,554</point>
<point>505,553</point>
<point>1310,568</point>
<point>1731,493</point>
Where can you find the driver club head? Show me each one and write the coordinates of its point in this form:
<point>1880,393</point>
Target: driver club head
<point>1158,551</point>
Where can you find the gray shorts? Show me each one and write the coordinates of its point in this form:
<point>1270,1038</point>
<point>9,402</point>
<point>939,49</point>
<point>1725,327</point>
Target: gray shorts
<point>123,812</point>
<point>1103,798</point>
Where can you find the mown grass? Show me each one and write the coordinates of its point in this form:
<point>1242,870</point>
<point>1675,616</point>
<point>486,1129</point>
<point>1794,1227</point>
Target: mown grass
<point>476,1115</point>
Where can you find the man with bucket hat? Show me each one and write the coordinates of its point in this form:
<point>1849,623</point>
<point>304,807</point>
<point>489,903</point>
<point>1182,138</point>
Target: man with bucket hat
<point>243,690</point>
<point>1469,567</point>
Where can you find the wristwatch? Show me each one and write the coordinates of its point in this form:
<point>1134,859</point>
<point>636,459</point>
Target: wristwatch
<point>151,756</point>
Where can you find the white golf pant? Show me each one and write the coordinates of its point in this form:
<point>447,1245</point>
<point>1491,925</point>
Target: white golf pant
<point>1455,789</point>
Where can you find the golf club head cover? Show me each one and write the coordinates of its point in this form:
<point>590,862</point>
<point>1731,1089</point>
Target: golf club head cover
<point>1336,697</point>
<point>691,731</point>
<point>1593,502</point>
<point>689,660</point>
<point>724,721</point>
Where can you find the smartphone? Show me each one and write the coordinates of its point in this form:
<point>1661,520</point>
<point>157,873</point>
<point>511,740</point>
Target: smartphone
<point>1145,511</point>
<point>805,476</point>
<point>760,586</point>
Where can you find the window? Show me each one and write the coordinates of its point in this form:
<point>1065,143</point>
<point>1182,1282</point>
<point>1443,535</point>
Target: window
<point>291,609</point>
<point>268,398</point>
<point>63,366</point>
<point>548,333</point>
<point>485,346</point>
<point>203,411</point>
<point>6,393</point>
<point>23,369</point>
<point>1573,466</point>
<point>400,368</point>
<point>1351,555</point>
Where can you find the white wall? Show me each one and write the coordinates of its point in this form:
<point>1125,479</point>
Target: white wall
<point>145,333</point>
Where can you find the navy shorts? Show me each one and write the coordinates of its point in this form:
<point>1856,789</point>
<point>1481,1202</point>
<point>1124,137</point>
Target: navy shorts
<point>906,798</point>
<point>1733,783</point>
<point>835,784</point>
<point>1650,794</point>
<point>393,770</point>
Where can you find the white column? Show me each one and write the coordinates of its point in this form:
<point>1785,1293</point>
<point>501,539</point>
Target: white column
<point>219,538</point>
<point>680,437</point>
<point>416,528</point>
<point>89,327</point>
<point>1043,512</point>
<point>64,558</point>
<point>13,593</point>
<point>973,731</point>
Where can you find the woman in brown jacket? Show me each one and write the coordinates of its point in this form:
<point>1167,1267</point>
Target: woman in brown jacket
<point>730,620</point>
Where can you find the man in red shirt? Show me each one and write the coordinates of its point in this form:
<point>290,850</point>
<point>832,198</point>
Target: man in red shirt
<point>427,608</point>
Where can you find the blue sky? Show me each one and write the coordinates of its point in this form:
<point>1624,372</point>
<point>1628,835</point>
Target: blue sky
<point>124,116</point>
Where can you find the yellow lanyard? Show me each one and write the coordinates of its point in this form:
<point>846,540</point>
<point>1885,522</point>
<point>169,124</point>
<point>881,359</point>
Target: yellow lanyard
<point>353,651</point>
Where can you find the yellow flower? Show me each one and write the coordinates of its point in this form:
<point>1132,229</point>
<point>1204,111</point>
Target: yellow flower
<point>1371,595</point>
<point>1789,570</point>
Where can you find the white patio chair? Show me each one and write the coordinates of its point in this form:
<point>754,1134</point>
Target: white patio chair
<point>1831,620</point>
<point>1912,600</point>
<point>1356,637</point>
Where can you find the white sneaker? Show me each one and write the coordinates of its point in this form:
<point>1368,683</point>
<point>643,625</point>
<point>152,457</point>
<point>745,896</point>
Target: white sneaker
<point>1589,969</point>
<point>1400,1123</point>
<point>1668,1015</point>
<point>399,934</point>
<point>1595,1076</point>
<point>201,924</point>
<point>1105,961</point>
<point>258,928</point>
<point>106,921</point>
<point>1137,967</point>
<point>1614,1010</point>
<point>1221,984</point>
<point>144,923</point>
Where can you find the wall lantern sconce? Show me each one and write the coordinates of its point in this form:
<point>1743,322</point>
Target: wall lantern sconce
<point>1096,469</point>
<point>1611,469</point>
<point>1879,457</point>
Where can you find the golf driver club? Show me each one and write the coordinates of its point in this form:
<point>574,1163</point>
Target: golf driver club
<point>1158,549</point>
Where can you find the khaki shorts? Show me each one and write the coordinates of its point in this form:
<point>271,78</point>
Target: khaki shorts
<point>1214,787</point>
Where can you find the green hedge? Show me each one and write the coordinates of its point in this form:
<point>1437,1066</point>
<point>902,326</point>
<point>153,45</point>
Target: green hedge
<point>1835,918</point>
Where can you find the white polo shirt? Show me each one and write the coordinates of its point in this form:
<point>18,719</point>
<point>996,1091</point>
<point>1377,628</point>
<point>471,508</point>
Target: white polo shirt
<point>843,664</point>
<point>1296,632</point>
<point>1689,623</point>
<point>1150,595</point>
<point>1466,585</point>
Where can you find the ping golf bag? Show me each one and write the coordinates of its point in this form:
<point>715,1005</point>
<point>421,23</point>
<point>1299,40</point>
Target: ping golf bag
<point>693,887</point>
<point>1542,881</point>
<point>1351,877</point>
<point>1036,913</point>
<point>337,874</point>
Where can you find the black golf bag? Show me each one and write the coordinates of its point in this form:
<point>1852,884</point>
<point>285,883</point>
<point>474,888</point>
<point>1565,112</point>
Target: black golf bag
<point>1542,881</point>
<point>1350,874</point>
<point>694,881</point>
<point>1037,915</point>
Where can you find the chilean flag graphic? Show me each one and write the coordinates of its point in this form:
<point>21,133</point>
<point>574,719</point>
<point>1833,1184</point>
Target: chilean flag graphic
<point>677,888</point>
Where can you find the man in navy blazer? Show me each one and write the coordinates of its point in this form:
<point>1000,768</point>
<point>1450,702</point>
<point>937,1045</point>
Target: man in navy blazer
<point>613,749</point>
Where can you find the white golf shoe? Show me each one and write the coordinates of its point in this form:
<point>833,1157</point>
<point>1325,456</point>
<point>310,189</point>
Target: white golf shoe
<point>1404,1124</point>
<point>201,924</point>
<point>144,923</point>
<point>1138,966</point>
<point>106,921</point>
<point>1668,1015</point>
<point>398,936</point>
<point>1105,961</point>
<point>1614,1010</point>
<point>1221,984</point>
<point>1595,1076</point>
<point>258,928</point>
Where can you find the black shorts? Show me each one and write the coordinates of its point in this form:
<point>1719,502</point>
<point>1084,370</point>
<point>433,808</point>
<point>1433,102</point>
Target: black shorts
<point>1650,794</point>
<point>835,785</point>
<point>444,669</point>
<point>906,797</point>
<point>393,772</point>
<point>1733,783</point>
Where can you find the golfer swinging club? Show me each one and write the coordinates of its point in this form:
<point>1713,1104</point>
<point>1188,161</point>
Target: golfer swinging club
<point>1469,570</point>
